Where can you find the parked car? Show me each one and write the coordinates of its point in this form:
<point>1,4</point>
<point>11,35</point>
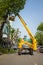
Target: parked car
<point>41,49</point>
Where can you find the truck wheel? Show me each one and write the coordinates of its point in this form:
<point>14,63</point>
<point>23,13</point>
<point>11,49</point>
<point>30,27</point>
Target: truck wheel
<point>19,52</point>
<point>31,51</point>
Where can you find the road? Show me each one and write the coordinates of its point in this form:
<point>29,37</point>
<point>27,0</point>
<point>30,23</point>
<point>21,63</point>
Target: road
<point>15,59</point>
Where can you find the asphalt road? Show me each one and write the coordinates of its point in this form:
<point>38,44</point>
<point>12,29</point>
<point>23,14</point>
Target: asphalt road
<point>15,59</point>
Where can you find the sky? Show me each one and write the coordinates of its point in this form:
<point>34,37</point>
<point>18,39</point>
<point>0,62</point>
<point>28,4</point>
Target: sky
<point>32,15</point>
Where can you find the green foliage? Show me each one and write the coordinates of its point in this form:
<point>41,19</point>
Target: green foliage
<point>39,34</point>
<point>42,42</point>
<point>12,32</point>
<point>3,50</point>
<point>40,27</point>
<point>39,38</point>
<point>11,6</point>
<point>16,35</point>
<point>11,51</point>
<point>19,39</point>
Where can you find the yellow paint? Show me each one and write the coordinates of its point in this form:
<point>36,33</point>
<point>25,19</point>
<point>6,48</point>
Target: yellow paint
<point>34,44</point>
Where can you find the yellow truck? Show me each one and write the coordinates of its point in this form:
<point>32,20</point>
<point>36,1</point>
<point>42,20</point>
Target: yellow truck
<point>32,46</point>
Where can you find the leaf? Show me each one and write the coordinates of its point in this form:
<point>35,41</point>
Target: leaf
<point>40,27</point>
<point>11,6</point>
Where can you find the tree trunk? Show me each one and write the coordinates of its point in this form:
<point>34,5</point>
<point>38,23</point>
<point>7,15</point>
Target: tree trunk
<point>0,36</point>
<point>1,33</point>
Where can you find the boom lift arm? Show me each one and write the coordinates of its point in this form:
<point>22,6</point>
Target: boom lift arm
<point>34,43</point>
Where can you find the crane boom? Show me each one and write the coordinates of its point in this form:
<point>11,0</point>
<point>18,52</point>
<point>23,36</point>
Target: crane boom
<point>34,43</point>
<point>26,27</point>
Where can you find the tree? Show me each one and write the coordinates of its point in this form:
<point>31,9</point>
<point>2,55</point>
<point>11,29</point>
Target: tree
<point>39,34</point>
<point>7,7</point>
<point>12,33</point>
<point>40,27</point>
<point>10,6</point>
<point>16,36</point>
